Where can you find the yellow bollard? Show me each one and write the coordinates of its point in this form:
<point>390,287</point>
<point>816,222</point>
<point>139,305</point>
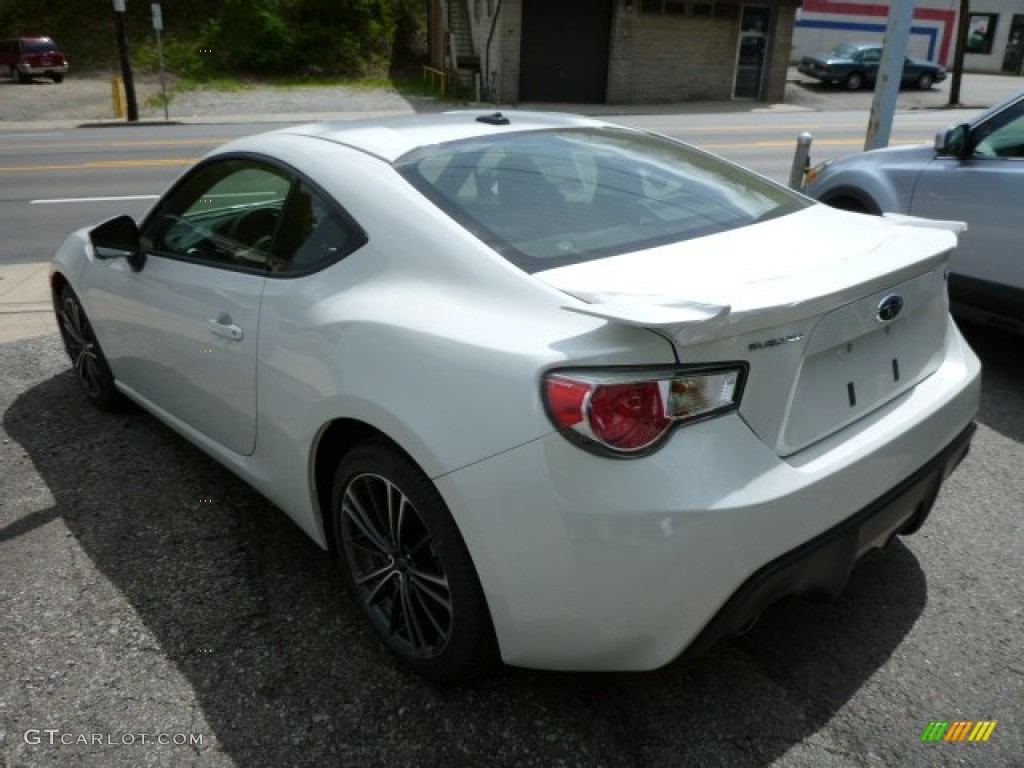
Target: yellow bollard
<point>117,92</point>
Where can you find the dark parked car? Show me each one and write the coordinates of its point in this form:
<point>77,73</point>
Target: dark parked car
<point>28,57</point>
<point>854,65</point>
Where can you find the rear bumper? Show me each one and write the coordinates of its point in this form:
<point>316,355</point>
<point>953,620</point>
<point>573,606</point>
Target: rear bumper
<point>595,564</point>
<point>54,69</point>
<point>821,566</point>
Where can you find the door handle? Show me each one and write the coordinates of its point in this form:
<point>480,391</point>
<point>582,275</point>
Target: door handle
<point>222,326</point>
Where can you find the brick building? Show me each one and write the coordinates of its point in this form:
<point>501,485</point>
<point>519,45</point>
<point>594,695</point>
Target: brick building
<point>614,51</point>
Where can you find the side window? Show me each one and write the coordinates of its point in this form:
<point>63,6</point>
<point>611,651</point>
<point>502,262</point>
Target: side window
<point>313,234</point>
<point>226,213</point>
<point>1003,136</point>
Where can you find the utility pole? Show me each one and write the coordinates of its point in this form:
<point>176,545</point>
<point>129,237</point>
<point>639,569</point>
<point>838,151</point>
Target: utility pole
<point>958,53</point>
<point>126,62</point>
<point>890,73</point>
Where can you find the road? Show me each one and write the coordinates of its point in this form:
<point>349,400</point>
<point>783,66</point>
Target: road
<point>54,182</point>
<point>144,590</point>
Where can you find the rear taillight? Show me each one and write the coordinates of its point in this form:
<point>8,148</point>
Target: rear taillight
<point>629,412</point>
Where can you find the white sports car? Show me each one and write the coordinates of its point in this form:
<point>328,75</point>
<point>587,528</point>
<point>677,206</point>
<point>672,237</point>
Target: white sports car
<point>556,391</point>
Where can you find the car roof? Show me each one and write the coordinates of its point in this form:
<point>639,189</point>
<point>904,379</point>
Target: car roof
<point>392,137</point>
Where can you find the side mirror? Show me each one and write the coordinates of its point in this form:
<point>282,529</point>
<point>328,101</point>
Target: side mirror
<point>954,141</point>
<point>119,238</point>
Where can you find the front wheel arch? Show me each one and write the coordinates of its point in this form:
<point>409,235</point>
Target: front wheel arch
<point>853,200</point>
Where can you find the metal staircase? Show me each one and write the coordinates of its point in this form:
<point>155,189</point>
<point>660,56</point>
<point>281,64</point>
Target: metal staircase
<point>463,59</point>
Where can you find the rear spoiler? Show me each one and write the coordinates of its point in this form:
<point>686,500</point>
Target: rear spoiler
<point>692,321</point>
<point>672,317</point>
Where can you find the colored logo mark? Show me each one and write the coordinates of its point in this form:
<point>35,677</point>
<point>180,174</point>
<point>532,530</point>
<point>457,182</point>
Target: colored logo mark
<point>958,730</point>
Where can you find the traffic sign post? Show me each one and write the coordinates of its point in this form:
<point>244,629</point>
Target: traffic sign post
<point>158,26</point>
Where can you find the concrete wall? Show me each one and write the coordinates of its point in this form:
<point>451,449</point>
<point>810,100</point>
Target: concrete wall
<point>665,58</point>
<point>497,43</point>
<point>773,89</point>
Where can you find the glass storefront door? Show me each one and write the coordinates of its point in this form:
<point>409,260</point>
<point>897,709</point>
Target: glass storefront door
<point>1013,59</point>
<point>752,52</point>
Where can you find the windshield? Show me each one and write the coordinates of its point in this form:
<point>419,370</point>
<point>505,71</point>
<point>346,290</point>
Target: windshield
<point>546,199</point>
<point>844,51</point>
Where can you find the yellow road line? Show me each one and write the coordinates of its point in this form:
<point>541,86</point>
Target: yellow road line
<point>105,164</point>
<point>99,165</point>
<point>104,144</point>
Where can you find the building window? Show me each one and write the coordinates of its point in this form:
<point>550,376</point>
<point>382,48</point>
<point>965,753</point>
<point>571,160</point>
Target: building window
<point>981,28</point>
<point>727,9</point>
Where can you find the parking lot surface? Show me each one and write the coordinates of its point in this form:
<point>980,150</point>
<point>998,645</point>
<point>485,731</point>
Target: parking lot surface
<point>147,594</point>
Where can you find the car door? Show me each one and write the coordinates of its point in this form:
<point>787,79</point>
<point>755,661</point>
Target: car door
<point>182,332</point>
<point>986,190</point>
<point>870,59</point>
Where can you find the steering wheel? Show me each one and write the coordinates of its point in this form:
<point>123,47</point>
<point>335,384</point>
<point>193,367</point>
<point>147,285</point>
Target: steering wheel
<point>254,228</point>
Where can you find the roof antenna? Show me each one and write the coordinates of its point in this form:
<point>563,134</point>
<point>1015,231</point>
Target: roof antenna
<point>495,118</point>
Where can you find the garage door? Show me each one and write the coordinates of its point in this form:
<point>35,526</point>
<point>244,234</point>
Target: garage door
<point>564,54</point>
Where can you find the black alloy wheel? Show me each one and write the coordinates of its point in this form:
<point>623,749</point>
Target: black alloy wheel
<point>407,565</point>
<point>84,350</point>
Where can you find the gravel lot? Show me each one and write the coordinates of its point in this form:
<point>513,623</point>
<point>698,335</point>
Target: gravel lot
<point>89,98</point>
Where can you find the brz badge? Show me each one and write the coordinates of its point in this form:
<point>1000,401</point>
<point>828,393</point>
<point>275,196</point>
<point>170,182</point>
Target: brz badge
<point>778,342</point>
<point>889,308</point>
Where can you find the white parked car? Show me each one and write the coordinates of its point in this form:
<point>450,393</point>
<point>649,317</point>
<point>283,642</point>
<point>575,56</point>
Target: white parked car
<point>973,172</point>
<point>555,391</point>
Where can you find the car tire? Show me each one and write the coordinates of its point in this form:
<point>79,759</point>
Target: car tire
<point>18,76</point>
<point>407,565</point>
<point>925,81</point>
<point>854,81</point>
<point>57,78</point>
<point>87,357</point>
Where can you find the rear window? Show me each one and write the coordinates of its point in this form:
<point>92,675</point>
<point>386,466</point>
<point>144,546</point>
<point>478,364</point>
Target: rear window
<point>546,199</point>
<point>39,46</point>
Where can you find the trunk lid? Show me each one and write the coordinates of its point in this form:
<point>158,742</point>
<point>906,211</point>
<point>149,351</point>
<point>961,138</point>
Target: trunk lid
<point>835,313</point>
